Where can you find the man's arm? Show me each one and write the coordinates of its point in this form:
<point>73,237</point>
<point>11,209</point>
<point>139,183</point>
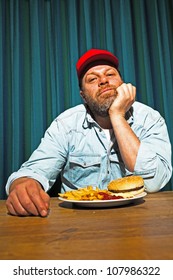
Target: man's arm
<point>128,142</point>
<point>149,155</point>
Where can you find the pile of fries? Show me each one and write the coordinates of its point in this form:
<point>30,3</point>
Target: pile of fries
<point>87,193</point>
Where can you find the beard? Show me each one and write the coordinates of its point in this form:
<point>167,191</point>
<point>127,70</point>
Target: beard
<point>101,104</point>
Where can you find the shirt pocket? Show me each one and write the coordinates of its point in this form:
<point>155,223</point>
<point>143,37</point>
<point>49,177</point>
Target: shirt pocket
<point>84,170</point>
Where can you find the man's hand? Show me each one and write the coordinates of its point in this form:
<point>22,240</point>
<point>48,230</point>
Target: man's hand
<point>27,198</point>
<point>125,98</point>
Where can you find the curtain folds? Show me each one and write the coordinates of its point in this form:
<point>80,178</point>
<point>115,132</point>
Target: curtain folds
<point>40,42</point>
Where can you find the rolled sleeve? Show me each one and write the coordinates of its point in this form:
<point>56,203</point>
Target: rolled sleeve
<point>154,162</point>
<point>146,163</point>
<point>155,168</point>
<point>45,183</point>
<point>46,161</point>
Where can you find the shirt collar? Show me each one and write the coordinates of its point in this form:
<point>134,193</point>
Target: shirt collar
<point>88,120</point>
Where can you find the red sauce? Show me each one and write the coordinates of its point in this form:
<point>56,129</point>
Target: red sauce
<point>106,196</point>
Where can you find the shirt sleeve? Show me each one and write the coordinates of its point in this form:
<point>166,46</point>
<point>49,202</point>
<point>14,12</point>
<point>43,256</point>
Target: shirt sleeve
<point>47,160</point>
<point>154,156</point>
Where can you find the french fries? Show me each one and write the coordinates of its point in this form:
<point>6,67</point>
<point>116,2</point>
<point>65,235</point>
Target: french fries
<point>87,193</point>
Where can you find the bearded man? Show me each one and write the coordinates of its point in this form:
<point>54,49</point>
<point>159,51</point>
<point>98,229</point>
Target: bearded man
<point>109,136</point>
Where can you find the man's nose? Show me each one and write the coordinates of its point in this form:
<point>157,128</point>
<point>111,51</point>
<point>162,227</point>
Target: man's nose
<point>103,80</point>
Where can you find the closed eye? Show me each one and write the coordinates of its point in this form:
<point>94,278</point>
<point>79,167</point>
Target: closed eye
<point>110,73</point>
<point>92,79</point>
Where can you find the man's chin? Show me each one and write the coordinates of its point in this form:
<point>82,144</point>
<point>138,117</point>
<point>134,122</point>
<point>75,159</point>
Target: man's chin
<point>101,112</point>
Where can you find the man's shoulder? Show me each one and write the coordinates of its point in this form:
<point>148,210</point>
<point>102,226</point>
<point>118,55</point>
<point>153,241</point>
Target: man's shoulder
<point>139,107</point>
<point>76,110</point>
<point>72,117</point>
<point>142,112</point>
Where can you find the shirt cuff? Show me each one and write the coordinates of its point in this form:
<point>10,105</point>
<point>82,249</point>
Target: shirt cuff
<point>16,175</point>
<point>146,162</point>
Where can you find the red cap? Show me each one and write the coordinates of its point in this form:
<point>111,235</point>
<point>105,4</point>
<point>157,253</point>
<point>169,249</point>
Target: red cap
<point>95,57</point>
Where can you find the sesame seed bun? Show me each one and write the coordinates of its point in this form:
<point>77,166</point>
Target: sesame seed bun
<point>128,186</point>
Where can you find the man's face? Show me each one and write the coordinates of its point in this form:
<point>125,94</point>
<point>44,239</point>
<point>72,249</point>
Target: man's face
<point>99,86</point>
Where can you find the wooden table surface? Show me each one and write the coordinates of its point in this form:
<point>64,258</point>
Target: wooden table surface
<point>136,231</point>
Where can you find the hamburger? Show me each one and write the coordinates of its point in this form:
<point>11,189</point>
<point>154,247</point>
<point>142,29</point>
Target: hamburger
<point>127,187</point>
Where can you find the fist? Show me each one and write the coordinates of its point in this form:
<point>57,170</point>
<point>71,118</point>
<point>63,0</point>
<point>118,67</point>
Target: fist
<point>124,99</point>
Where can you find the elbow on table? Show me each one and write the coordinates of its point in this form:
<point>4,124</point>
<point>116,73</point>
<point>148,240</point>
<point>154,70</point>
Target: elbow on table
<point>154,184</point>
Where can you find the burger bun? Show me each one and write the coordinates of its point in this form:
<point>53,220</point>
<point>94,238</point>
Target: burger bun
<point>127,187</point>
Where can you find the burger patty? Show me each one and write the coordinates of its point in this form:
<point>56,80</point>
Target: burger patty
<point>124,191</point>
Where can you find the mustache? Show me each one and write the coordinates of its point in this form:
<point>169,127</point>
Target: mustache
<point>101,90</point>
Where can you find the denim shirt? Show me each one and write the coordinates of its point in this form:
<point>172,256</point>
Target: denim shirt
<point>77,147</point>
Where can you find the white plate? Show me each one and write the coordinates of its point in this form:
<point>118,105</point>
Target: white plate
<point>105,203</point>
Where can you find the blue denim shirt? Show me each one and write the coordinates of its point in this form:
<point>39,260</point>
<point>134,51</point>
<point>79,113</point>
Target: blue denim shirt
<point>77,146</point>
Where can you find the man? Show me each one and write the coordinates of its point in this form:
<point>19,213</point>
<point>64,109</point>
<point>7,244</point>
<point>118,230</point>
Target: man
<point>108,137</point>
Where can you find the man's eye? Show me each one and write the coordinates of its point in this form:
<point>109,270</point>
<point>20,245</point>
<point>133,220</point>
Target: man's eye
<point>92,79</point>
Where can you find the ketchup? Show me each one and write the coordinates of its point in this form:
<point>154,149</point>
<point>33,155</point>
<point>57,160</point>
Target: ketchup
<point>106,196</point>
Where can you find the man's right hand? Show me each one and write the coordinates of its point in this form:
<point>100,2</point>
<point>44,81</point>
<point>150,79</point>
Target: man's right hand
<point>27,198</point>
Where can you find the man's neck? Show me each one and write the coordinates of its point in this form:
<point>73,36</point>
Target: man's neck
<point>104,122</point>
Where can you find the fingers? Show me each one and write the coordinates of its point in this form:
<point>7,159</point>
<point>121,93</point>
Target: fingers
<point>37,201</point>
<point>11,209</point>
<point>46,198</point>
<point>28,198</point>
<point>127,91</point>
<point>125,98</point>
<point>14,205</point>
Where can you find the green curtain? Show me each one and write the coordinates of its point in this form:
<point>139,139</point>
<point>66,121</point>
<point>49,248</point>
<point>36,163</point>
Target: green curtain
<point>40,42</point>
